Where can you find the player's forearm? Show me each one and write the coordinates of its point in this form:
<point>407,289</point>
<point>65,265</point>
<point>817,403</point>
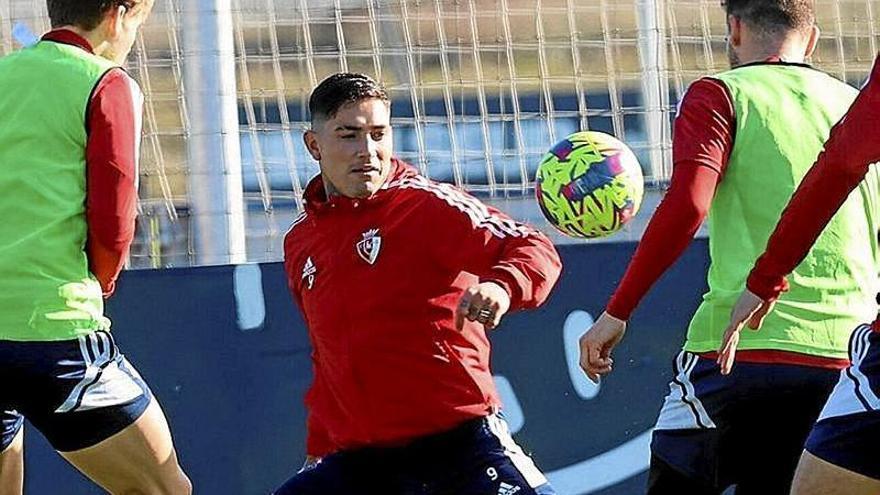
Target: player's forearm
<point>528,269</point>
<point>111,204</point>
<point>482,240</point>
<point>106,263</point>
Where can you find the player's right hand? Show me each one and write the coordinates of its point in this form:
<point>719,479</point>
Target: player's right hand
<point>597,343</point>
<point>485,303</point>
<point>751,309</point>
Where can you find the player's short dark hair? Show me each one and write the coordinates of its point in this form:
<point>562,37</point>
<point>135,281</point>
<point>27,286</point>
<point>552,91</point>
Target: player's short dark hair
<point>773,17</point>
<point>86,14</point>
<point>341,89</point>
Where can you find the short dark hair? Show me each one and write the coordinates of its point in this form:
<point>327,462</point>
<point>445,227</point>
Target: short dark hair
<point>341,89</point>
<point>86,14</point>
<point>773,17</point>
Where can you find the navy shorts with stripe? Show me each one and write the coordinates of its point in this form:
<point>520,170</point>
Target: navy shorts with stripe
<point>76,392</point>
<point>848,431</point>
<point>477,458</point>
<point>746,429</point>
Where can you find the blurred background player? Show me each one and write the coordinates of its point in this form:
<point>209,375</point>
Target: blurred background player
<point>68,154</point>
<point>841,453</point>
<point>399,278</point>
<point>742,141</point>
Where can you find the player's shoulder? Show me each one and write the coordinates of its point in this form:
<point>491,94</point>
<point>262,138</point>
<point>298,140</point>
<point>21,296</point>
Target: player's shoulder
<point>116,73</point>
<point>705,94</point>
<point>829,80</point>
<point>447,205</point>
<point>118,80</point>
<point>712,85</point>
<point>434,196</point>
<point>297,233</point>
<point>298,225</point>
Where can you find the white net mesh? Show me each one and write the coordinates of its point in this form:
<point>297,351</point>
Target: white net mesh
<point>480,89</point>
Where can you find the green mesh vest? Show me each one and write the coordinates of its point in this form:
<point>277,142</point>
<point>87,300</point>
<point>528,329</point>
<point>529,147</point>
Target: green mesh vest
<point>46,290</point>
<point>783,116</point>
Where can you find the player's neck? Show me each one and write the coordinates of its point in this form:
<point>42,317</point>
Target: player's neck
<point>329,189</point>
<point>97,41</point>
<point>785,50</point>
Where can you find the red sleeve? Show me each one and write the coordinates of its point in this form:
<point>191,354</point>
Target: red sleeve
<point>853,145</point>
<point>703,139</point>
<point>489,244</point>
<point>318,443</point>
<point>114,121</point>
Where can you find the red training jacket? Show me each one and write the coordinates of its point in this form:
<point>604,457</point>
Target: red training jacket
<point>378,281</point>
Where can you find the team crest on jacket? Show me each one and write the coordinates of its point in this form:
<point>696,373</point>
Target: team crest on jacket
<point>368,248</point>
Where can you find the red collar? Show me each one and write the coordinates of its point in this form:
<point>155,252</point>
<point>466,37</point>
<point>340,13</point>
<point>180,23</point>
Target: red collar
<point>316,199</point>
<point>68,37</point>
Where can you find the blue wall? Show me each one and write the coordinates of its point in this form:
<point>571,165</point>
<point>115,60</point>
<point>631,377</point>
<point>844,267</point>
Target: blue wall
<point>226,352</point>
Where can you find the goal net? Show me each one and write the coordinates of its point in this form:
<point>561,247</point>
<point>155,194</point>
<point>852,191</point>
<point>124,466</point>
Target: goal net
<point>480,90</point>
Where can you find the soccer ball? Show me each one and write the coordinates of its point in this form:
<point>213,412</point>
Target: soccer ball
<point>589,185</point>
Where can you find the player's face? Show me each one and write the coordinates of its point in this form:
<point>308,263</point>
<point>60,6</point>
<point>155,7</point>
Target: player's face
<point>124,24</point>
<point>354,148</point>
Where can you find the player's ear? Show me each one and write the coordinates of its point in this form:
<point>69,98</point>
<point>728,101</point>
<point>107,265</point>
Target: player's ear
<point>310,139</point>
<point>734,30</point>
<point>138,12</point>
<point>812,41</point>
<point>113,21</point>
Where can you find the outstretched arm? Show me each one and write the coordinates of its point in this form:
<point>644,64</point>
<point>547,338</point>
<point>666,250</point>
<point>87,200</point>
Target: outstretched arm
<point>517,265</point>
<point>702,142</point>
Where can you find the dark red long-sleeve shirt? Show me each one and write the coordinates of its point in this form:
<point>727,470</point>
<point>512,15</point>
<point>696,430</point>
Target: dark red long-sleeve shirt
<point>704,133</point>
<point>853,146</point>
<point>114,130</point>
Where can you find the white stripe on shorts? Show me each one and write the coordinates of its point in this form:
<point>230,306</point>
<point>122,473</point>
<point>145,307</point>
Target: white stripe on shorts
<point>853,386</point>
<point>103,384</point>
<point>534,477</point>
<point>682,409</point>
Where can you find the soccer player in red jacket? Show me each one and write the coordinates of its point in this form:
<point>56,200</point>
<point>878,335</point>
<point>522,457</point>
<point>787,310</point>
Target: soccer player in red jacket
<point>841,452</point>
<point>399,278</point>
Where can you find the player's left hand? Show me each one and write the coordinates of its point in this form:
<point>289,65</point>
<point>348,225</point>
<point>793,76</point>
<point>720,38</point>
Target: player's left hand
<point>751,309</point>
<point>486,303</point>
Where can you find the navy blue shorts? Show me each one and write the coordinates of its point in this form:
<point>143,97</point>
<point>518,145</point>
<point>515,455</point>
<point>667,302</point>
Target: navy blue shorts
<point>76,392</point>
<point>746,429</point>
<point>477,458</point>
<point>848,431</point>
